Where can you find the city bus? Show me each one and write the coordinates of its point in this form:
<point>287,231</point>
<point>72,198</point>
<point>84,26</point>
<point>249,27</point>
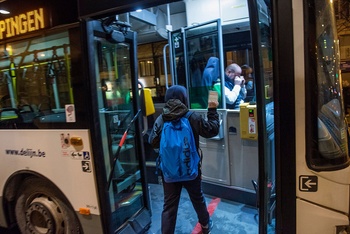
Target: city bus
<point>72,117</point>
<point>72,95</point>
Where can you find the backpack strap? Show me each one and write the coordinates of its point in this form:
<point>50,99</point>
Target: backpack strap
<point>200,152</point>
<point>188,114</point>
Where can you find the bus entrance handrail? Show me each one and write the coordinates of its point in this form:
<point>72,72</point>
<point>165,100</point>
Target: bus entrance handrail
<point>165,66</point>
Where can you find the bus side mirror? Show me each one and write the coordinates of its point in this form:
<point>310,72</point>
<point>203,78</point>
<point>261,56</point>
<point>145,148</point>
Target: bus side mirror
<point>115,37</point>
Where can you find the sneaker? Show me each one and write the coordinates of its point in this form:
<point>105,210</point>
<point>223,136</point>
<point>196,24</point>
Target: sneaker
<point>207,228</point>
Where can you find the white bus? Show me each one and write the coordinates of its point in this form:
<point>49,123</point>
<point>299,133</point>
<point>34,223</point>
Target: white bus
<point>72,137</point>
<point>65,122</point>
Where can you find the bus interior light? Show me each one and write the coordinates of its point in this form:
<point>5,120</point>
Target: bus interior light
<point>4,12</point>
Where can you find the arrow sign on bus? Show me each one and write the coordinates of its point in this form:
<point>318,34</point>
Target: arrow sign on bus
<point>85,166</point>
<point>308,183</point>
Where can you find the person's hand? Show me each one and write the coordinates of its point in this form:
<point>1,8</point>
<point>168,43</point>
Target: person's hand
<point>242,81</point>
<point>213,104</point>
<point>238,80</point>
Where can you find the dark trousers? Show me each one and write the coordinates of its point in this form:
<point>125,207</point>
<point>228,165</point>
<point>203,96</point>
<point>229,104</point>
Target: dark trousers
<point>172,192</point>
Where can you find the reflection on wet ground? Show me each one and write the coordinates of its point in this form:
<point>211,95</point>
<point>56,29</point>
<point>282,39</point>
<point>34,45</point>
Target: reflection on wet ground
<point>228,217</point>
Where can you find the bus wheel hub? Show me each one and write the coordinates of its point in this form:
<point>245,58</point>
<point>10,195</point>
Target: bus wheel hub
<point>44,216</point>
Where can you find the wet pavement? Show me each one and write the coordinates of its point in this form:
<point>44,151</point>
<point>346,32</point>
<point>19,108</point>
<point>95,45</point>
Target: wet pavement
<point>228,217</point>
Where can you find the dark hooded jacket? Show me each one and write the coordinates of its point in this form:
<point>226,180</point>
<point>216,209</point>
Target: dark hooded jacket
<point>176,107</point>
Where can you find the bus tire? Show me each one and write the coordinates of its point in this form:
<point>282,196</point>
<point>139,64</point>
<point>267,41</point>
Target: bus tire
<point>41,208</point>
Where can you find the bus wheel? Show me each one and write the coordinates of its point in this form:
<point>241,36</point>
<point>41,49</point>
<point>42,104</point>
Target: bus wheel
<point>41,208</point>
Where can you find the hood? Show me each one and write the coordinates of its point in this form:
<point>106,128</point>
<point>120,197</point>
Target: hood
<point>211,72</point>
<point>176,92</point>
<point>174,109</point>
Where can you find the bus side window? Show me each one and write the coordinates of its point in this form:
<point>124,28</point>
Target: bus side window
<point>36,81</point>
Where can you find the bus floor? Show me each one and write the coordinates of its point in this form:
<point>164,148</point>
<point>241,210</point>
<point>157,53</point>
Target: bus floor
<point>228,217</point>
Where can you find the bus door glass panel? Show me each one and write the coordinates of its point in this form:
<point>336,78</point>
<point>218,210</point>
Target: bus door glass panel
<point>260,21</point>
<point>198,60</point>
<point>113,84</point>
<point>35,82</point>
<point>329,131</point>
<point>178,60</point>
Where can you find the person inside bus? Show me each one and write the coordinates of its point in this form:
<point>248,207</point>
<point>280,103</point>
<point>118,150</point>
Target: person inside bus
<point>247,73</point>
<point>211,77</point>
<point>211,72</point>
<point>175,107</point>
<point>235,90</point>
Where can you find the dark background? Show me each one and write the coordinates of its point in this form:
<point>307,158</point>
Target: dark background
<point>9,231</point>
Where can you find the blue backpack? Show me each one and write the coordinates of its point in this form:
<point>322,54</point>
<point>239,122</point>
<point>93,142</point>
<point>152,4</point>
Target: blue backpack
<point>178,155</point>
